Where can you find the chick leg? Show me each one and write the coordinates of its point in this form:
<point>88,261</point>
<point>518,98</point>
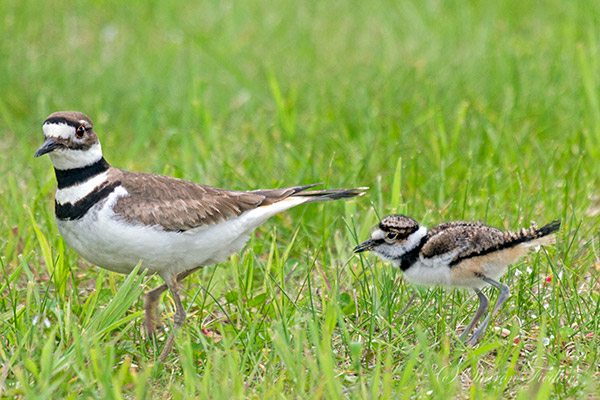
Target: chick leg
<point>504,294</point>
<point>484,303</point>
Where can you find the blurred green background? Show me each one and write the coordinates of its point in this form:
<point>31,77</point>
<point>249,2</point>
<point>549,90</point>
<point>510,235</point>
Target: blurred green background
<point>477,110</point>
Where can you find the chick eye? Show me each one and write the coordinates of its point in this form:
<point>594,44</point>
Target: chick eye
<point>391,235</point>
<point>80,131</point>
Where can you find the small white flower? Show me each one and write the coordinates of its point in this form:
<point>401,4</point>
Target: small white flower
<point>45,321</point>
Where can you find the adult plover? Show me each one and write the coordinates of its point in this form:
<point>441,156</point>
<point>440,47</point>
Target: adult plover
<point>464,254</point>
<point>115,218</point>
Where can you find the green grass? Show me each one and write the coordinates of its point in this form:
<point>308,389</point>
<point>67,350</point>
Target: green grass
<point>477,110</point>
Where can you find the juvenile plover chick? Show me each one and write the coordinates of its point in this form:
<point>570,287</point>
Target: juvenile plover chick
<point>463,254</point>
<point>115,218</point>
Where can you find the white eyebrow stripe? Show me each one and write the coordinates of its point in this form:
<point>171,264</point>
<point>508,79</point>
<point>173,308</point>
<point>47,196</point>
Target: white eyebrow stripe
<point>378,234</point>
<point>58,130</point>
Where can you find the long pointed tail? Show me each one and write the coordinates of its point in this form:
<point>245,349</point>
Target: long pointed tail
<point>275,195</point>
<point>534,236</point>
<point>548,228</point>
<point>332,194</point>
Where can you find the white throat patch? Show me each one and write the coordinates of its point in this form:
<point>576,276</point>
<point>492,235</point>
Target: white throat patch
<point>69,158</point>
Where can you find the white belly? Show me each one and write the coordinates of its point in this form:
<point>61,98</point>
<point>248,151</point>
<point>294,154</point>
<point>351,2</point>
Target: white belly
<point>428,275</point>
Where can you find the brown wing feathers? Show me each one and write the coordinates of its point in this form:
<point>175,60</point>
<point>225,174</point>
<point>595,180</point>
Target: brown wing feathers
<point>179,205</point>
<point>475,239</point>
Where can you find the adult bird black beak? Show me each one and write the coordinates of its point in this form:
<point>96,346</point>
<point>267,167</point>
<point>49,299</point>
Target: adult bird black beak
<point>365,246</point>
<point>48,146</point>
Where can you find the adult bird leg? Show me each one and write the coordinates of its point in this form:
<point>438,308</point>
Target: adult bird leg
<point>151,299</point>
<point>178,320</point>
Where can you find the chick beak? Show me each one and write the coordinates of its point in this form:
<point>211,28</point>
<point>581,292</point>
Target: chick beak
<point>365,246</point>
